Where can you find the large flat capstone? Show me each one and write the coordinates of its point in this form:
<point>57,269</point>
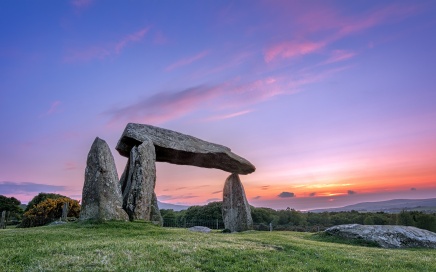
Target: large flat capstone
<point>178,148</point>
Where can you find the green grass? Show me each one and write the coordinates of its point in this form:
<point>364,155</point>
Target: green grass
<point>139,246</point>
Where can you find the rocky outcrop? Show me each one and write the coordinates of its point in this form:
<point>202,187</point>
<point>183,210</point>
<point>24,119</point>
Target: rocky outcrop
<point>101,196</point>
<point>178,148</point>
<point>386,236</point>
<point>236,210</point>
<point>138,182</point>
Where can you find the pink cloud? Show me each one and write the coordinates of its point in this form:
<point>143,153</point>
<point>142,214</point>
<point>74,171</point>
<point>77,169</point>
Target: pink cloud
<point>134,37</point>
<point>329,23</point>
<point>285,50</point>
<point>187,61</point>
<point>71,165</point>
<point>81,3</point>
<point>339,55</point>
<point>165,106</point>
<point>104,51</point>
<point>228,116</point>
<point>160,38</point>
<point>53,108</point>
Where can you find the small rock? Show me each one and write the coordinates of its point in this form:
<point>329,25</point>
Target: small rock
<point>200,229</point>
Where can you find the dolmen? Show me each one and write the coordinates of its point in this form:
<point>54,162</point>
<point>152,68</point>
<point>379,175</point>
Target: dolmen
<point>386,236</point>
<point>133,197</point>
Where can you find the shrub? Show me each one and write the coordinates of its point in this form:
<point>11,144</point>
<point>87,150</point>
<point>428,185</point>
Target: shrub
<point>40,198</point>
<point>48,211</point>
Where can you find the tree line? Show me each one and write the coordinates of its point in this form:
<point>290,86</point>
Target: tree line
<point>46,207</point>
<point>291,219</point>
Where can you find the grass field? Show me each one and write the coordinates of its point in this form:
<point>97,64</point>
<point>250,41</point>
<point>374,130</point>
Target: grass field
<point>139,246</point>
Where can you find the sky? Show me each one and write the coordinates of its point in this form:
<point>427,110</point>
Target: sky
<point>334,102</point>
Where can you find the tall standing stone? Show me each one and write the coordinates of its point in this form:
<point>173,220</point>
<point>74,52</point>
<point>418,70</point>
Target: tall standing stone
<point>101,196</point>
<point>3,220</point>
<point>138,181</point>
<point>236,210</point>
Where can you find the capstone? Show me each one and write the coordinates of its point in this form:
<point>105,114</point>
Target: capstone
<point>178,148</point>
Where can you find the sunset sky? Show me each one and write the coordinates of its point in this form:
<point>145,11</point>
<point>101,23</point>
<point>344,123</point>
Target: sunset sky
<point>334,102</point>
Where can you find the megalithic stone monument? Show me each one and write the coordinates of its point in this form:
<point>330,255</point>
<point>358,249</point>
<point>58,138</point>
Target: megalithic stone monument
<point>105,198</point>
<point>101,196</point>
<point>236,210</point>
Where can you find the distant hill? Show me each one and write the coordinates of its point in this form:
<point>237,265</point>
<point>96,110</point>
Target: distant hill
<point>169,206</point>
<point>389,206</point>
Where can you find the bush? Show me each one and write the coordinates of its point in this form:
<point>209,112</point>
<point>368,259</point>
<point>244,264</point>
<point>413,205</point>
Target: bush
<point>40,198</point>
<point>48,211</point>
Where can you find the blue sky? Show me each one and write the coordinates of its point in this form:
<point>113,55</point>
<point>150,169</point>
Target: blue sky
<point>332,101</point>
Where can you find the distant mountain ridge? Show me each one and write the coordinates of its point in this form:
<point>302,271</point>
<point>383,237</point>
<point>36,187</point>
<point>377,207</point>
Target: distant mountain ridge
<point>168,206</point>
<point>390,206</point>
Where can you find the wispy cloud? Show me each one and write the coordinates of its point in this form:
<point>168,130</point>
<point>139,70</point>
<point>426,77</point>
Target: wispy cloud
<point>71,165</point>
<point>53,108</point>
<point>164,106</point>
<point>175,197</point>
<point>213,200</point>
<point>227,116</point>
<point>332,25</point>
<point>290,49</point>
<point>286,195</point>
<point>187,61</point>
<point>104,50</point>
<point>217,192</point>
<point>351,192</point>
<point>10,187</point>
<point>81,3</point>
<point>312,194</point>
<point>413,189</point>
<point>257,197</point>
<point>339,55</point>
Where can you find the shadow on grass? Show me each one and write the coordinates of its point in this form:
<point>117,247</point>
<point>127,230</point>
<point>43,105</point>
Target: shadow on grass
<point>324,237</point>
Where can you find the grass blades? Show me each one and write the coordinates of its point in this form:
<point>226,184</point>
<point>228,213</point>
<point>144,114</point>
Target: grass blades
<point>140,246</point>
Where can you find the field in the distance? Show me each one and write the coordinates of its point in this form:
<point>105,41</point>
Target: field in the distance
<point>139,246</point>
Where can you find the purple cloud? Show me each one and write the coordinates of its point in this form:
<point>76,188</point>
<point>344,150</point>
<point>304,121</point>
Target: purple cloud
<point>286,195</point>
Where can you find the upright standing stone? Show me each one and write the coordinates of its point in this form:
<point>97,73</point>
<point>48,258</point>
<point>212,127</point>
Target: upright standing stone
<point>139,180</point>
<point>3,220</point>
<point>65,211</point>
<point>101,196</point>
<point>236,210</point>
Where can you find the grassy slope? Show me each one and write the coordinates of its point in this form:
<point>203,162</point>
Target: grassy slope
<point>140,246</point>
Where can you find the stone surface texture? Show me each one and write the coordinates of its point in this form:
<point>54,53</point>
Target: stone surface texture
<point>200,229</point>
<point>138,182</point>
<point>236,210</point>
<point>386,236</point>
<point>178,148</point>
<point>155,216</point>
<point>101,195</point>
